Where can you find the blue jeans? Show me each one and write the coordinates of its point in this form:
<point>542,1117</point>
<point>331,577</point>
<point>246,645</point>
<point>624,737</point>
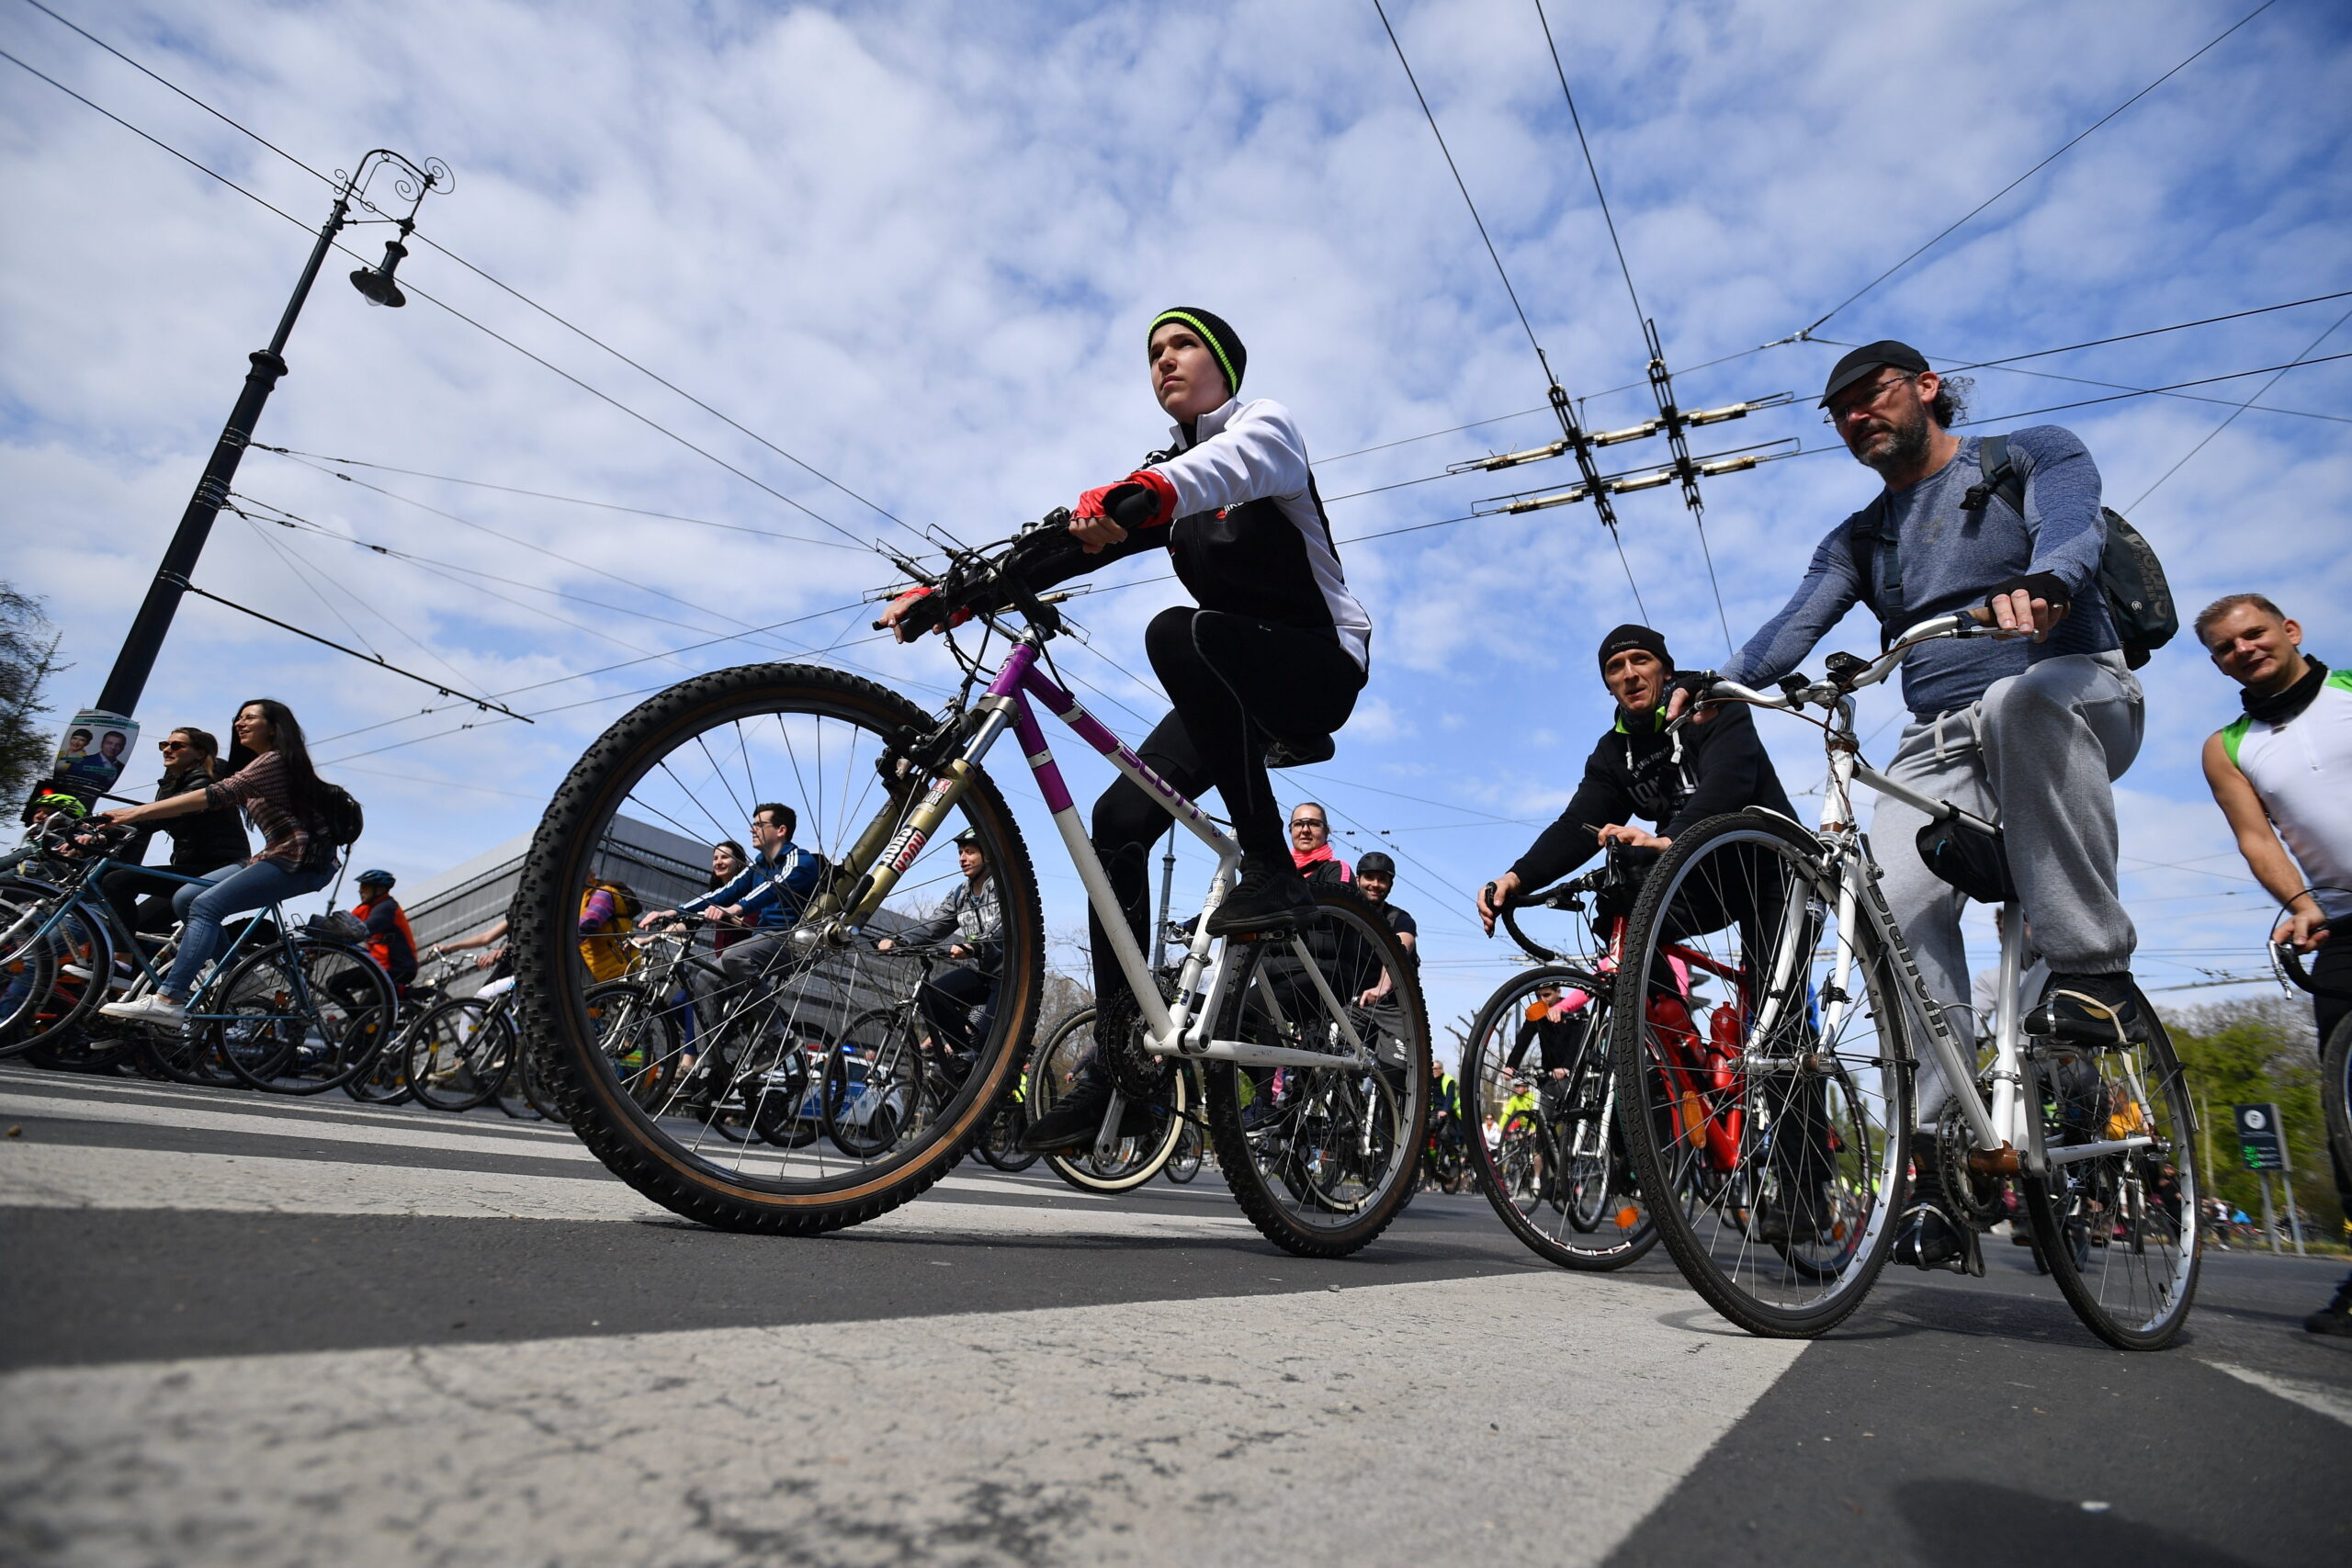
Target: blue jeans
<point>233,890</point>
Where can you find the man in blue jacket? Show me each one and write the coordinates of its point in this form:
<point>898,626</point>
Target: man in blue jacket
<point>2031,731</point>
<point>768,895</point>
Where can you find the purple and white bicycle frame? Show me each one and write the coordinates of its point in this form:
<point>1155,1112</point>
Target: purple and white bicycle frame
<point>1178,1029</point>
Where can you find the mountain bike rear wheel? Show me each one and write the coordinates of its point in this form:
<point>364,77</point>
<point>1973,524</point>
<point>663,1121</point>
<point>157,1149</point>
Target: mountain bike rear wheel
<point>1322,1158</point>
<point>1578,1210</point>
<point>688,767</point>
<point>301,1018</point>
<point>1770,1129</point>
<point>2133,1289</point>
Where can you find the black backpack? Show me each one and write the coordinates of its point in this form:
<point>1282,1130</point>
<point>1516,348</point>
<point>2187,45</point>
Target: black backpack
<point>339,815</point>
<point>2138,599</point>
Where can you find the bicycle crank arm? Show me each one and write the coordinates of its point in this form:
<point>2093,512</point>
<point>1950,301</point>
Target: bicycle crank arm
<point>1106,1138</point>
<point>1244,1052</point>
<point>2072,1153</point>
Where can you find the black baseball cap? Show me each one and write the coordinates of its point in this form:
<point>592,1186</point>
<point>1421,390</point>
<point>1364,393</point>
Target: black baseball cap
<point>1870,357</point>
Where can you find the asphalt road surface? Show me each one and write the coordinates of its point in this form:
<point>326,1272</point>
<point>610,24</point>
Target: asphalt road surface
<point>255,1331</point>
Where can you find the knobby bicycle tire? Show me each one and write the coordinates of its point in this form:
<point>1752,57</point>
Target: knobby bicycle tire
<point>1714,1219</point>
<point>2134,1293</point>
<point>1400,1098</point>
<point>2335,1087</point>
<point>621,1132</point>
<point>1478,1077</point>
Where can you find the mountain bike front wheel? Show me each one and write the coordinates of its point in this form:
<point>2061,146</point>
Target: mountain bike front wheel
<point>1564,1183</point>
<point>1322,1158</point>
<point>2119,1229</point>
<point>640,809</point>
<point>1768,1121</point>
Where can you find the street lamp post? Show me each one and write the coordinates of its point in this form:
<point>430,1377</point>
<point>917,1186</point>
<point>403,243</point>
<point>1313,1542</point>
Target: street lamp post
<point>132,665</point>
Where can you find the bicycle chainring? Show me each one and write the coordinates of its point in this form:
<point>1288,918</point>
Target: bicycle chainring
<point>1977,1197</point>
<point>1119,1038</point>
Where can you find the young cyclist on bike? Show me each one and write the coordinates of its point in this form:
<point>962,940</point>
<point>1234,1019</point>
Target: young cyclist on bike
<point>1271,659</point>
<point>955,1004</point>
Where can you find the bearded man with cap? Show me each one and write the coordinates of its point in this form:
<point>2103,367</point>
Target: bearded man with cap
<point>2031,731</point>
<point>1266,666</point>
<point>1637,768</point>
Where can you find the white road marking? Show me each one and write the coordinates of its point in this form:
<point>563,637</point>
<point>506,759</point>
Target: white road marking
<point>54,1176</point>
<point>418,1132</point>
<point>1320,1427</point>
<point>2330,1402</point>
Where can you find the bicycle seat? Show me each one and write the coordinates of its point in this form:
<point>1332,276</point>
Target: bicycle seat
<point>1297,751</point>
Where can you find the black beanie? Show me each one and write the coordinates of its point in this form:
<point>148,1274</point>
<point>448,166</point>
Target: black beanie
<point>1631,635</point>
<point>1231,357</point>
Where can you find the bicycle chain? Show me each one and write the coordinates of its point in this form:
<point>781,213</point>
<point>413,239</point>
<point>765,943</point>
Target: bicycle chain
<point>1978,1198</point>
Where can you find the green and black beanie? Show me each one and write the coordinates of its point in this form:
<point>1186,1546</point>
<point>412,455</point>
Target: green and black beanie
<point>1231,357</point>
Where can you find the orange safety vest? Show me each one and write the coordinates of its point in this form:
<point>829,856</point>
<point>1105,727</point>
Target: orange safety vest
<point>380,948</point>
<point>607,956</point>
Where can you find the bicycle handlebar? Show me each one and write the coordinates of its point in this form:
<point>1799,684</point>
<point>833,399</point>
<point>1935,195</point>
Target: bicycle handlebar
<point>2291,964</point>
<point>1848,673</point>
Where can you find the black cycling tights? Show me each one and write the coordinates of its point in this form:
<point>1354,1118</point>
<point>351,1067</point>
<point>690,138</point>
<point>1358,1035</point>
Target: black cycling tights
<point>1234,681</point>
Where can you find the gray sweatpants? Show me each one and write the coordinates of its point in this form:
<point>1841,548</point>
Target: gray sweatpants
<point>736,992</point>
<point>2038,753</point>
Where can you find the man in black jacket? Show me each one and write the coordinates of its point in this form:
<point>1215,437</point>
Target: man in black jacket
<point>1639,770</point>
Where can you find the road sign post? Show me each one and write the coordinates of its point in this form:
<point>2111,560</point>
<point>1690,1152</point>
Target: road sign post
<point>2262,1144</point>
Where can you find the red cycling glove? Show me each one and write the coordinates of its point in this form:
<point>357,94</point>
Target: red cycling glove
<point>918,622</point>
<point>1104,501</point>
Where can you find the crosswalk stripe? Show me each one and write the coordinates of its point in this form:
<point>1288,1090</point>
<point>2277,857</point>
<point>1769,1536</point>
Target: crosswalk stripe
<point>1232,1431</point>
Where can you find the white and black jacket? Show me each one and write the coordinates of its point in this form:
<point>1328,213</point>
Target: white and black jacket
<point>1249,537</point>
<point>976,917</point>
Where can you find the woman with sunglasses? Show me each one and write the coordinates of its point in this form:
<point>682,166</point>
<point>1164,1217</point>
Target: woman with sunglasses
<point>272,781</point>
<point>203,843</point>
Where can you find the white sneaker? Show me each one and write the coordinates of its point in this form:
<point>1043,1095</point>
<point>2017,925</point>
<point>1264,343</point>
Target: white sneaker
<point>151,1009</point>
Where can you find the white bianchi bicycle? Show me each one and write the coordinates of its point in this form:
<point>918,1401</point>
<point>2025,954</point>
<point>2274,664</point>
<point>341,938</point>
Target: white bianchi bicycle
<point>1316,1107</point>
<point>1777,1153</point>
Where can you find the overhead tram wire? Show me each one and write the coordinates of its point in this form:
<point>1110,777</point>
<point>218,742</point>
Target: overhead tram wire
<point>2304,359</point>
<point>2001,364</point>
<point>1558,396</point>
<point>1941,234</point>
<point>581,332</point>
<point>415,292</point>
<point>1661,384</point>
<point>549,495</point>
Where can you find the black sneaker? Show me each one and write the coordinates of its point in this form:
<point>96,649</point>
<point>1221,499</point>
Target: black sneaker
<point>2090,1009</point>
<point>1927,1235</point>
<point>1792,1218</point>
<point>1075,1119</point>
<point>1269,894</point>
<point>2335,1317</point>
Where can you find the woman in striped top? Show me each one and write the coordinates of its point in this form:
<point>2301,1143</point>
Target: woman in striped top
<point>269,779</point>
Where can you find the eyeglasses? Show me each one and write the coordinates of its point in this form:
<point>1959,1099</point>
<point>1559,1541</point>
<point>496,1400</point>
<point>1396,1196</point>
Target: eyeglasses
<point>1311,822</point>
<point>1847,406</point>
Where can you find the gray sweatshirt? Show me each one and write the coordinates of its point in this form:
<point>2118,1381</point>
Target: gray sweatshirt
<point>1951,558</point>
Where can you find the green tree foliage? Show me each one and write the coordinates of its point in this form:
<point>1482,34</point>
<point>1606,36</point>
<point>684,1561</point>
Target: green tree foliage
<point>2249,1053</point>
<point>27,659</point>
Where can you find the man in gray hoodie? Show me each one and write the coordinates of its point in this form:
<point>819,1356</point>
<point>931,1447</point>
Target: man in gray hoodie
<point>2031,731</point>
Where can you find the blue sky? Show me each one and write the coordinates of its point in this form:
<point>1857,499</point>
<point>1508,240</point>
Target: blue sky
<point>915,245</point>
